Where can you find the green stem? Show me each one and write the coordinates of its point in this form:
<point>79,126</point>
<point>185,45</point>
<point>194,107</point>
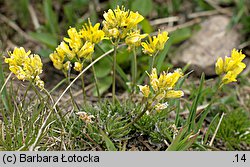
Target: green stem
<point>96,83</point>
<point>40,97</point>
<point>114,71</point>
<point>26,92</point>
<point>153,61</point>
<point>134,74</point>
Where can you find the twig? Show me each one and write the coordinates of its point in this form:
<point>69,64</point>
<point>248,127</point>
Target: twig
<point>244,44</point>
<point>187,24</point>
<point>16,27</point>
<point>216,130</point>
<point>202,14</point>
<point>164,20</point>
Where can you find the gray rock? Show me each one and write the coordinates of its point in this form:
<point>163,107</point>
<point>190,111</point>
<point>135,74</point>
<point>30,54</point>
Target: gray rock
<point>213,40</point>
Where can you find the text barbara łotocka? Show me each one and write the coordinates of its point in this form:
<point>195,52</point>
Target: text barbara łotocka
<point>40,158</point>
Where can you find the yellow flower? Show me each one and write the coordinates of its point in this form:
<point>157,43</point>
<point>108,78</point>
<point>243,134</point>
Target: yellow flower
<point>120,22</point>
<point>231,67</point>
<point>174,77</point>
<point>70,54</point>
<point>25,66</point>
<point>92,34</point>
<point>134,38</point>
<point>162,39</point>
<point>162,89</point>
<point>234,61</point>
<point>86,50</point>
<point>18,57</point>
<point>74,40</point>
<point>78,66</point>
<point>156,44</point>
<point>150,47</point>
<point>66,66</point>
<point>145,90</point>
<point>165,81</point>
<point>57,60</point>
<point>33,66</point>
<point>132,20</point>
<point>174,94</point>
<point>219,66</point>
<point>154,79</point>
<point>229,77</point>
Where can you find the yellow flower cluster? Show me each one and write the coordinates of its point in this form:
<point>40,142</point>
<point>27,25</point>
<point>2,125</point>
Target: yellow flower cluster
<point>77,48</point>
<point>134,38</point>
<point>92,34</point>
<point>156,44</point>
<point>119,22</point>
<point>231,67</point>
<point>163,88</point>
<point>25,66</point>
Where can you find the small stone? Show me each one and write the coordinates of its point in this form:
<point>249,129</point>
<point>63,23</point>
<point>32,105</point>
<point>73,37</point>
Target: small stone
<point>215,39</point>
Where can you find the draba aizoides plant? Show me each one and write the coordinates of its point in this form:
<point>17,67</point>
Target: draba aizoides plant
<point>161,93</point>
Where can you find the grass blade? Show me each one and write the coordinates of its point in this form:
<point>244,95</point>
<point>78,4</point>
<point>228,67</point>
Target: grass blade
<point>191,118</point>
<point>51,17</point>
<point>110,145</point>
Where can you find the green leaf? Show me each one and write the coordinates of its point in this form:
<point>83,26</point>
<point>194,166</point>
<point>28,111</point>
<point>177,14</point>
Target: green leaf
<point>183,140</point>
<point>51,17</point>
<point>123,56</point>
<point>45,38</point>
<point>45,52</point>
<point>146,26</point>
<point>110,145</point>
<point>103,84</point>
<point>210,127</point>
<point>181,35</point>
<point>203,116</point>
<point>143,7</point>
<point>103,68</point>
<point>175,143</point>
<point>69,13</point>
<point>192,112</point>
<point>161,57</point>
<point>177,102</point>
